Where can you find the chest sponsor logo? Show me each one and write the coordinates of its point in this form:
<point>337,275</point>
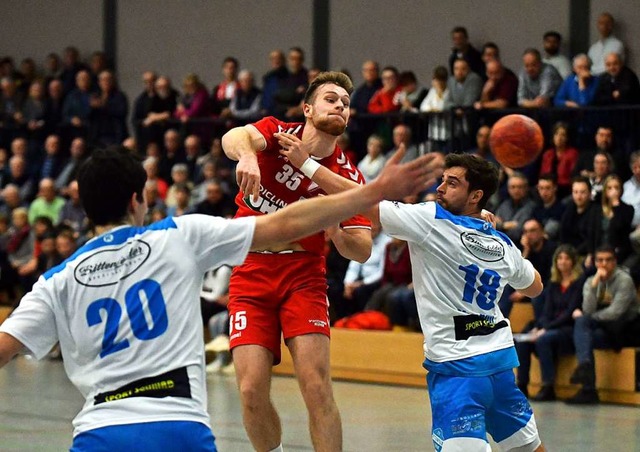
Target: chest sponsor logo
<point>484,247</point>
<point>107,267</point>
<point>267,202</point>
<point>291,130</point>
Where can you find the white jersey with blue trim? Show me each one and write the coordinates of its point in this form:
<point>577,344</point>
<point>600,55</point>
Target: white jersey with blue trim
<point>460,267</point>
<point>126,311</point>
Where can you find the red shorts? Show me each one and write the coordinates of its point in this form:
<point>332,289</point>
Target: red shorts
<point>277,294</point>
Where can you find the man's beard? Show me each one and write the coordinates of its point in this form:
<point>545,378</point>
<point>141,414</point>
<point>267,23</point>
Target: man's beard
<point>330,127</point>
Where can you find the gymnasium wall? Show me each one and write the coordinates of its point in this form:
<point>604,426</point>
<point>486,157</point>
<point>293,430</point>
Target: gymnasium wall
<point>179,36</point>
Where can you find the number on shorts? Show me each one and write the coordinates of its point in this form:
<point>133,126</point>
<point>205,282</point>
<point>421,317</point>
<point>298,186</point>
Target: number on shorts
<point>237,321</point>
<point>143,292</point>
<point>486,292</point>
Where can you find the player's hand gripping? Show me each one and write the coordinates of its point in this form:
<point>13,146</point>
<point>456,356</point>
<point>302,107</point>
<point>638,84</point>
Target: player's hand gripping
<point>248,176</point>
<point>292,148</point>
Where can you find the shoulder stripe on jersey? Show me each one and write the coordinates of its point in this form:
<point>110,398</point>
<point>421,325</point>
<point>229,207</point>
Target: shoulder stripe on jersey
<point>117,237</point>
<point>470,223</point>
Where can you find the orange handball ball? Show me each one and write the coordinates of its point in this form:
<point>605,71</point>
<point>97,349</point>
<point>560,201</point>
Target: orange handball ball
<point>516,140</point>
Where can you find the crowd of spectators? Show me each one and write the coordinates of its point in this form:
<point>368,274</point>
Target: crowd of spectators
<point>580,197</point>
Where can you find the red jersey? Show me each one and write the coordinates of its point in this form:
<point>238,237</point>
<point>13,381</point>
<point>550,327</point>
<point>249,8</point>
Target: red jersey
<point>281,183</point>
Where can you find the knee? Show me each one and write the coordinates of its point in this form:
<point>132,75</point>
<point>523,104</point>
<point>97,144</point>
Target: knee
<point>317,390</point>
<point>253,395</point>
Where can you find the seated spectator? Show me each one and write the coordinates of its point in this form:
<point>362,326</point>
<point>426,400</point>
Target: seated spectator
<point>49,256</point>
<point>561,159</point>
<point>436,102</point>
<point>610,221</point>
<point>372,163</point>
<point>194,104</point>
<point>482,148</point>
<point>109,110</point>
<point>501,88</point>
<point>54,106</point>
<point>19,177</point>
<point>199,192</point>
<point>552,332</point>
<point>47,204</point>
<point>33,113</point>
<point>216,203</point>
<point>603,139</point>
<point>247,101</point>
<point>214,298</point>
<point>607,43</point>
<point>618,85</point>
<point>52,163</point>
<point>192,150</point>
<point>223,92</point>
<point>179,176</point>
<point>402,136</point>
<point>173,153</point>
<point>182,195</point>
<point>549,207</point>
<point>387,98</point>
<point>551,43</point>
<point>578,89</point>
<point>370,85</point>
<point>65,244</point>
<point>73,215</point>
<point>538,82</point>
<point>344,143</point>
<point>69,171</point>
<point>396,276</point>
<point>21,242</point>
<point>602,166</point>
<point>609,307</point>
<point>225,167</point>
<point>631,188</point>
<point>10,200</point>
<point>516,209</point>
<point>362,279</point>
<point>412,94</point>
<point>574,226</point>
<point>155,203</point>
<point>462,49</point>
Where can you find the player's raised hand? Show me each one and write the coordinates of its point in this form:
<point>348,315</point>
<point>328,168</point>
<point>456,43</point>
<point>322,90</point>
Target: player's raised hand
<point>292,148</point>
<point>248,176</point>
<point>398,180</point>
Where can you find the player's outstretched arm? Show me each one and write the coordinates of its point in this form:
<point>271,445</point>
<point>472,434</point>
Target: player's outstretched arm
<point>306,217</point>
<point>534,289</point>
<point>9,347</point>
<point>242,144</point>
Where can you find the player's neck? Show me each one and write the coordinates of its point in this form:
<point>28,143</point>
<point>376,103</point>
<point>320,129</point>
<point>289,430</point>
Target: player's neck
<point>321,143</point>
<point>104,228</point>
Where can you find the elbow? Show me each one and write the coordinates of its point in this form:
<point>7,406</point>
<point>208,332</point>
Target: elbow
<point>362,256</point>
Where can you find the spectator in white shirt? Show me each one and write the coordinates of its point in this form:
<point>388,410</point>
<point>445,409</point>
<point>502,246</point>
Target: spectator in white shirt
<point>605,45</point>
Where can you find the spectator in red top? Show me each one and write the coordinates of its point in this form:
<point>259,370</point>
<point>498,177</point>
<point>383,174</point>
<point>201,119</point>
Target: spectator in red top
<point>387,98</point>
<point>560,159</point>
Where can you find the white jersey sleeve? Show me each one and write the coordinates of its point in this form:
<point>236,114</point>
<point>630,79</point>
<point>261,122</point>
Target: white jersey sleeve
<point>523,274</point>
<point>217,241</point>
<point>408,222</point>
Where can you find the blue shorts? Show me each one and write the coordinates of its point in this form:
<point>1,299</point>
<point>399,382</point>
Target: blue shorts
<point>471,407</point>
<point>183,436</point>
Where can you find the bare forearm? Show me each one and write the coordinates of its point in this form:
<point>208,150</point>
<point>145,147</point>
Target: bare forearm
<point>237,143</point>
<point>332,182</point>
<point>353,244</point>
<point>9,347</point>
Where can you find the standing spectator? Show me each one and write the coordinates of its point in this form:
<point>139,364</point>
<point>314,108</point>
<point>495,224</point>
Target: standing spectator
<point>69,171</point>
<point>462,49</point>
<point>370,85</point>
<point>611,221</point>
<point>609,305</point>
<point>578,89</point>
<point>52,68</point>
<point>551,43</point>
<point>561,159</point>
<point>142,106</point>
<point>537,81</point>
<point>33,114</point>
<point>194,104</point>
<point>386,99</point>
<point>574,226</point>
<point>549,207</point>
<point>465,88</point>
<point>272,81</point>
<point>372,163</point>
<point>435,104</point>
<point>516,209</point>
<point>606,44</point>
<point>490,51</point>
<point>292,89</point>
<point>11,102</point>
<point>97,64</point>
<point>76,110</point>
<point>604,143</point>
<point>482,148</point>
<point>618,84</point>
<point>163,105</point>
<point>71,66</point>
<point>109,109</point>
<point>552,333</point>
<point>501,88</point>
<point>54,105</point>
<point>223,92</point>
<point>247,101</point>
<point>47,204</point>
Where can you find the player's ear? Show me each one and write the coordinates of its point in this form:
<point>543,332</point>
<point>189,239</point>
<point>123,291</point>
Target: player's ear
<point>307,110</point>
<point>477,195</point>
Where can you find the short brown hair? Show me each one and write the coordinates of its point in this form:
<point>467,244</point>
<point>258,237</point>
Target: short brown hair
<point>337,78</point>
